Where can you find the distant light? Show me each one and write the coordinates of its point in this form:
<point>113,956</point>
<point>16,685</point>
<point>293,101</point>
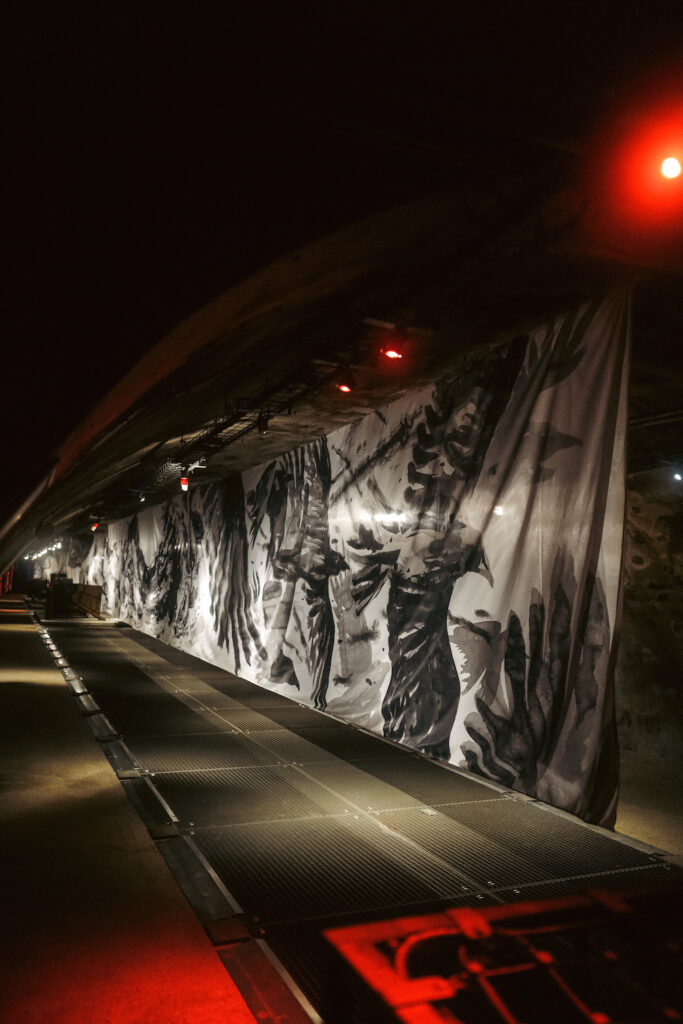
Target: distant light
<point>498,510</point>
<point>184,483</point>
<point>344,379</point>
<point>391,353</point>
<point>94,527</point>
<point>671,167</point>
<point>677,476</point>
<point>142,497</point>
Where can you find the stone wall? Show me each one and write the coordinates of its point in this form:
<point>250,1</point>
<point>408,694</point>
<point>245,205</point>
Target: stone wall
<point>649,676</point>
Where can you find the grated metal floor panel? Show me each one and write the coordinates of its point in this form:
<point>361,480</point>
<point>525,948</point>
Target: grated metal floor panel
<point>197,752</point>
<point>245,719</point>
<point>348,743</point>
<point>557,844</point>
<point>241,795</point>
<point>317,868</point>
<point>428,783</point>
<point>308,823</point>
<point>284,745</point>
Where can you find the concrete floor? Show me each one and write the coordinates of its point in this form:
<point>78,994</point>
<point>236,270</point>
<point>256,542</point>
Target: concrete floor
<point>94,927</point>
<point>651,803</point>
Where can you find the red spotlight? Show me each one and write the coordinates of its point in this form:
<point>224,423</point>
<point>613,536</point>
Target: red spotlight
<point>393,347</point>
<point>344,379</point>
<point>671,167</point>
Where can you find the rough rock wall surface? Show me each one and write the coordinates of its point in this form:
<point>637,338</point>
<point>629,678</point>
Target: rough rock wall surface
<point>649,674</point>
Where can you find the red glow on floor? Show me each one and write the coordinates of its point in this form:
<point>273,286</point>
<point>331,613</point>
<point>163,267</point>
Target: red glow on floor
<point>600,1018</point>
<point>544,957</point>
<point>474,967</point>
<point>119,977</point>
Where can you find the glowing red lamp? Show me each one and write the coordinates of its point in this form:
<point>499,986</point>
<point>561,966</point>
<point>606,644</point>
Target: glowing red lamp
<point>391,353</point>
<point>671,167</point>
<point>184,483</point>
<point>344,379</point>
<point>94,527</point>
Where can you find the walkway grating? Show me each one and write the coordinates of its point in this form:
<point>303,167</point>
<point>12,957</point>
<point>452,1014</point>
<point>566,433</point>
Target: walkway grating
<point>300,823</point>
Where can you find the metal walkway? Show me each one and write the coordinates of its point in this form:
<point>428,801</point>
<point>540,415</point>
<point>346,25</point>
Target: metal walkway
<point>279,821</point>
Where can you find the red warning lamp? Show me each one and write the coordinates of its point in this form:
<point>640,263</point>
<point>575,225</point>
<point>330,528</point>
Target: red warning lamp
<point>636,183</point>
<point>671,167</point>
<point>344,380</point>
<point>94,527</point>
<point>184,483</point>
<point>393,348</point>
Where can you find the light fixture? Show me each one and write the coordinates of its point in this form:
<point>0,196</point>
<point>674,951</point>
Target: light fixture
<point>184,483</point>
<point>677,476</point>
<point>671,167</point>
<point>498,510</point>
<point>94,527</point>
<point>142,497</point>
<point>344,380</point>
<point>262,423</point>
<point>393,348</point>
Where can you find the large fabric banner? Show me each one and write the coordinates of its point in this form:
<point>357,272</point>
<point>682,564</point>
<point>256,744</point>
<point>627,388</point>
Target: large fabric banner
<point>444,571</point>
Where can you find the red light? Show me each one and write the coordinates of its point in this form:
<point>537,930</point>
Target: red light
<point>474,967</point>
<point>671,167</point>
<point>391,353</point>
<point>343,387</point>
<point>184,483</point>
<point>94,527</point>
<point>544,957</point>
<point>643,190</point>
<point>600,1018</point>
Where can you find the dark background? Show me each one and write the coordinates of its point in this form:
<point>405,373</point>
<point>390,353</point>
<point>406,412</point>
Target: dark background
<point>155,156</point>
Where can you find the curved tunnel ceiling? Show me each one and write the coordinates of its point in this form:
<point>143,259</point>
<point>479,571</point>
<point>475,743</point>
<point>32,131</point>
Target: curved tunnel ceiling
<point>448,273</point>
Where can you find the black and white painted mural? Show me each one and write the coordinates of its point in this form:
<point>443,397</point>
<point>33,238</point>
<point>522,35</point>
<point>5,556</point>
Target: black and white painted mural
<point>444,571</point>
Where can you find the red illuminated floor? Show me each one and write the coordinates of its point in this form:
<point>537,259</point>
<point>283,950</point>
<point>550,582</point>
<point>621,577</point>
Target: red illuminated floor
<point>94,928</point>
<point>278,823</point>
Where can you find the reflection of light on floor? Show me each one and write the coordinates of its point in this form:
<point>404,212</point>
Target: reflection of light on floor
<point>124,977</point>
<point>32,676</point>
<point>53,802</point>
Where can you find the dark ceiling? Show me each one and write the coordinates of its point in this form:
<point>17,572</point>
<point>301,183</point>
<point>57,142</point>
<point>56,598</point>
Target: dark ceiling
<point>157,162</point>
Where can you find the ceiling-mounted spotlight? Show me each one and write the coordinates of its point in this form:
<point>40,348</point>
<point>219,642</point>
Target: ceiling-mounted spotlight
<point>393,349</point>
<point>671,167</point>
<point>344,379</point>
<point>262,423</point>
